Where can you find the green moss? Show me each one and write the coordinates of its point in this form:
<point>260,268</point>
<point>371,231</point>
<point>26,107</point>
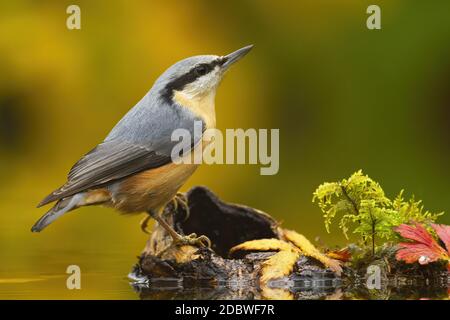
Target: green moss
<point>365,210</point>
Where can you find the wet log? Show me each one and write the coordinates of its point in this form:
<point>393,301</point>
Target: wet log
<point>219,273</point>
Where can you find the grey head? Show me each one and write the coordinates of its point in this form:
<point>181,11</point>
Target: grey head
<point>156,114</point>
<point>197,75</point>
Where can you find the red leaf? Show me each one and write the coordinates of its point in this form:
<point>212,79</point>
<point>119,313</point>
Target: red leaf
<point>424,248</point>
<point>417,252</point>
<point>443,232</point>
<point>417,233</point>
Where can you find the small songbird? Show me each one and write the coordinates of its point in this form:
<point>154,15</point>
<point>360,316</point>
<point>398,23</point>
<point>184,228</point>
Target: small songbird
<point>132,169</point>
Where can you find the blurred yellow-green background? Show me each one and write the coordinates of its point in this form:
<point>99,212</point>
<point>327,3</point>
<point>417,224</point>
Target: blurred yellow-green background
<point>344,98</point>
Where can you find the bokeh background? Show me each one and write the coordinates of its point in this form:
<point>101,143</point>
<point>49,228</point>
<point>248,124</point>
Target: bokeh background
<point>344,98</point>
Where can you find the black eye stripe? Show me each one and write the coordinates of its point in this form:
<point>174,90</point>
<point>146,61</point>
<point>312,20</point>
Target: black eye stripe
<point>208,67</point>
<point>189,77</point>
<point>202,69</point>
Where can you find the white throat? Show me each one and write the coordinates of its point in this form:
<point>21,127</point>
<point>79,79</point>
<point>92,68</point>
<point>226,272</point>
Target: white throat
<point>202,105</point>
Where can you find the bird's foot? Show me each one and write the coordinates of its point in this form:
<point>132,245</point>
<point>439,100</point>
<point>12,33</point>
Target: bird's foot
<point>193,240</point>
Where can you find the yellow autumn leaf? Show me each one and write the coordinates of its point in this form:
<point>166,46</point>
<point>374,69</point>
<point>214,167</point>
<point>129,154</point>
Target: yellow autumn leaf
<point>308,249</point>
<point>282,263</point>
<point>262,245</point>
<point>279,265</point>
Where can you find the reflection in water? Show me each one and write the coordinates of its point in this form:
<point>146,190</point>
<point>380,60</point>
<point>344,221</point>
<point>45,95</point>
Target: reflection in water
<point>19,280</point>
<point>317,286</point>
<point>227,293</point>
<point>111,285</point>
<point>287,289</point>
<point>224,292</point>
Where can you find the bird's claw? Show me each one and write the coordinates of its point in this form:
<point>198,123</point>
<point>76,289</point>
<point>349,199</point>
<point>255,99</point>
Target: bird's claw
<point>193,240</point>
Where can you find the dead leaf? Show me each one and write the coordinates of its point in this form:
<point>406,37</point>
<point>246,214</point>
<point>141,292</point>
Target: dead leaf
<point>262,245</point>
<point>282,263</point>
<point>279,265</point>
<point>308,249</point>
<point>343,254</point>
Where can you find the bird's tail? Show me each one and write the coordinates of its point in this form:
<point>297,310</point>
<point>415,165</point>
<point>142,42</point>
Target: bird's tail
<point>61,207</point>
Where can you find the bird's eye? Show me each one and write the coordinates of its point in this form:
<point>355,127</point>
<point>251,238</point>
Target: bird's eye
<point>201,70</point>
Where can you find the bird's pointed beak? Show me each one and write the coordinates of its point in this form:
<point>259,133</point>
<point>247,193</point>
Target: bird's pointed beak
<point>235,56</point>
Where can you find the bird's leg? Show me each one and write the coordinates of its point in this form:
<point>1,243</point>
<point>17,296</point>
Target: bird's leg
<point>179,239</point>
<point>182,199</point>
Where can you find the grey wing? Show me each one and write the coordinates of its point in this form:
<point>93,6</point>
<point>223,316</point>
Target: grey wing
<point>108,162</point>
<point>140,141</point>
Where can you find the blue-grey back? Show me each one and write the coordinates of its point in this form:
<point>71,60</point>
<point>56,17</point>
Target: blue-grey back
<point>152,120</point>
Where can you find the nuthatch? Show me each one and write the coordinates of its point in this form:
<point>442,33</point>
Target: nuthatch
<point>132,169</point>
